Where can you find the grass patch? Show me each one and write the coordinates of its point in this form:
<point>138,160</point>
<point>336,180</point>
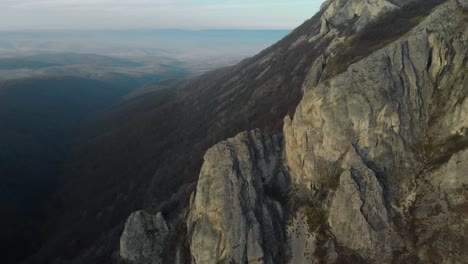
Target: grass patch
<point>329,173</point>
<point>317,220</point>
<point>436,154</point>
<point>460,209</point>
<point>465,13</point>
<point>465,9</point>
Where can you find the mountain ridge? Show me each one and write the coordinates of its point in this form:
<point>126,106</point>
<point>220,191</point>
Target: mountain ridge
<point>170,129</point>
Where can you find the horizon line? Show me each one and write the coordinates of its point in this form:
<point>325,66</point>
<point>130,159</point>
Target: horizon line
<point>145,29</point>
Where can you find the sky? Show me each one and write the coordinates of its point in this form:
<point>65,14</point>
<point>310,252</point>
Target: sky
<point>154,14</point>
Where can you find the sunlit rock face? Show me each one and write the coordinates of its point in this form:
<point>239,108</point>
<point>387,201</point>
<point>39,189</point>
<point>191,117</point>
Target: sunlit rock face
<point>236,214</point>
<point>376,132</point>
<point>338,13</point>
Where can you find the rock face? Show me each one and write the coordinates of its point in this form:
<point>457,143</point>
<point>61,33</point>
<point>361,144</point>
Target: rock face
<point>372,131</point>
<point>440,210</point>
<point>236,214</point>
<point>144,238</point>
<point>301,241</point>
<point>359,13</point>
<point>372,168</point>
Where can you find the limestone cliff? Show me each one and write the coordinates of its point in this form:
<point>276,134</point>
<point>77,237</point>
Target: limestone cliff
<point>370,169</point>
<point>143,239</point>
<point>364,141</point>
<point>236,215</point>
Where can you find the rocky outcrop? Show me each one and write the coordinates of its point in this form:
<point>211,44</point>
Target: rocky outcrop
<point>236,214</point>
<point>144,238</point>
<point>356,13</point>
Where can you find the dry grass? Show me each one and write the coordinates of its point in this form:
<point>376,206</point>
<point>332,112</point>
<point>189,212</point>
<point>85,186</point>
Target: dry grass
<point>435,154</point>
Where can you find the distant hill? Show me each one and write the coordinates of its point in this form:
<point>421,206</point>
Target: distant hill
<point>208,48</point>
<point>63,59</point>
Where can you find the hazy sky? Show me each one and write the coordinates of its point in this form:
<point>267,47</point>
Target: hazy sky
<point>125,14</point>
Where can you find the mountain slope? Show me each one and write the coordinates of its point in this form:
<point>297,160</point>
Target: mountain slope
<point>371,169</point>
<point>128,161</point>
<point>147,153</point>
